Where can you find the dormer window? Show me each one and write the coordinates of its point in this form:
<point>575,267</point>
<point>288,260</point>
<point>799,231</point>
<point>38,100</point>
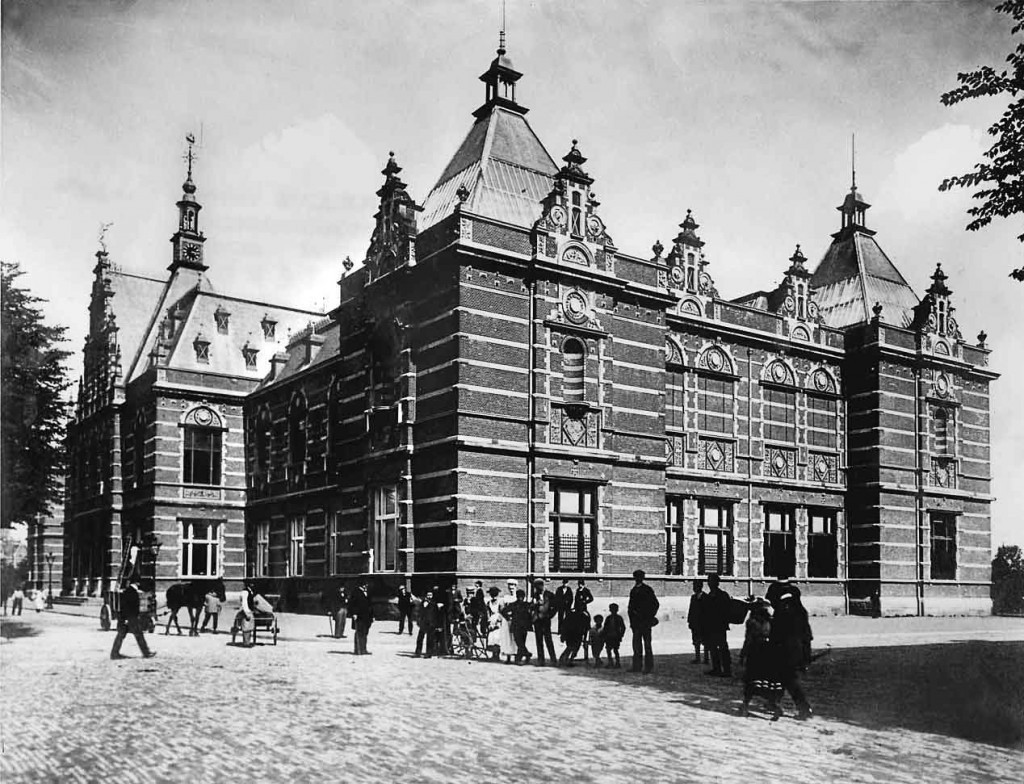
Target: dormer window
<point>801,300</point>
<point>941,316</point>
<point>223,318</point>
<point>202,347</point>
<point>691,272</point>
<point>269,329</point>
<point>577,215</point>
<point>249,353</point>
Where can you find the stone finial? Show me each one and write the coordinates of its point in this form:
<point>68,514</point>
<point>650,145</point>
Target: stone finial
<point>347,264</point>
<point>658,248</point>
<point>462,193</point>
<point>982,337</point>
<point>877,310</point>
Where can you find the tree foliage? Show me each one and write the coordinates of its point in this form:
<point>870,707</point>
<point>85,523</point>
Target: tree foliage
<point>33,412</point>
<point>1008,580</point>
<point>1000,178</point>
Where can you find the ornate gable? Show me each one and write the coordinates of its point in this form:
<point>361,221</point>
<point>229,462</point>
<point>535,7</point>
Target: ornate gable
<point>934,315</point>
<point>794,297</point>
<point>569,229</point>
<point>685,271</point>
<point>393,243</point>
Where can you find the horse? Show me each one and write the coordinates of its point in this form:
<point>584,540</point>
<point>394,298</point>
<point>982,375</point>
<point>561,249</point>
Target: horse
<point>192,596</point>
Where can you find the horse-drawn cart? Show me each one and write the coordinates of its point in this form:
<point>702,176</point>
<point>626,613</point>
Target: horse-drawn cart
<point>138,562</point>
<point>264,620</point>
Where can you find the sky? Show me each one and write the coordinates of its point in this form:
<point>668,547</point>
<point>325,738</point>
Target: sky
<point>740,111</point>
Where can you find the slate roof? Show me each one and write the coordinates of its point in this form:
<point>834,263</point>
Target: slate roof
<point>503,165</point>
<point>327,329</point>
<point>134,297</point>
<point>853,275</point>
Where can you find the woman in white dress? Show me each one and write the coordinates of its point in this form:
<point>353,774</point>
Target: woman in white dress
<point>505,641</point>
<point>495,621</point>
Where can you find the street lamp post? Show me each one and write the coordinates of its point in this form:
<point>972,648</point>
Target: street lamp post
<point>50,558</point>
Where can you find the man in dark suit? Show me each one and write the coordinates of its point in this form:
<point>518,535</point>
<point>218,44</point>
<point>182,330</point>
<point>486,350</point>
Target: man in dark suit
<point>405,605</point>
<point>128,621</point>
<point>643,617</point>
<point>581,601</point>
<point>360,609</point>
<point>543,609</point>
<point>714,614</point>
<point>563,602</point>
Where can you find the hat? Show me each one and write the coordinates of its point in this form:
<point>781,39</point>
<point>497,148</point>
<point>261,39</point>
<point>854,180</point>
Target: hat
<point>538,581</point>
<point>512,581</point>
<point>639,574</point>
<point>493,590</point>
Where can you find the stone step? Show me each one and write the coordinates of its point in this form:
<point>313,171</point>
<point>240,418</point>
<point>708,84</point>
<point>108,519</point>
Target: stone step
<point>75,601</point>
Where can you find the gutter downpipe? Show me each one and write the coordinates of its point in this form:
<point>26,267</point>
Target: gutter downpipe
<point>919,482</point>
<point>750,475</point>
<point>530,426</point>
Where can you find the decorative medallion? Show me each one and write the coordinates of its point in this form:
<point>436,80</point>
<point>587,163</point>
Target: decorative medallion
<point>558,216</point>
<point>594,225</point>
<point>677,275</point>
<point>825,467</point>
<point>690,306</point>
<point>716,456</point>
<point>575,306</point>
<point>813,312</point>
<point>942,385</point>
<point>575,430</point>
<point>705,285</point>
<point>778,372</point>
<point>789,305</point>
<point>821,380</point>
<point>715,359</point>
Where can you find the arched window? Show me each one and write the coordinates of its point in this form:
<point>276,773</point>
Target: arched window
<point>297,432</point>
<point>203,447</point>
<point>574,359</point>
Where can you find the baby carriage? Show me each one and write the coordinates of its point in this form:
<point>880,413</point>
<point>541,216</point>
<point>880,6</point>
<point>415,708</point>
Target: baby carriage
<point>468,641</point>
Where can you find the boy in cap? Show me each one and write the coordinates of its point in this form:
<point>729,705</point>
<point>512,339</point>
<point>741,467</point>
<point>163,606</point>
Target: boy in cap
<point>614,631</point>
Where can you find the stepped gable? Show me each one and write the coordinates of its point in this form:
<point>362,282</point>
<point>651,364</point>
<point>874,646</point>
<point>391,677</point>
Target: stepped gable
<point>855,273</point>
<point>501,164</point>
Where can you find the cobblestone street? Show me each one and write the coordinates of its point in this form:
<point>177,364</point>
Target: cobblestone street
<point>897,700</point>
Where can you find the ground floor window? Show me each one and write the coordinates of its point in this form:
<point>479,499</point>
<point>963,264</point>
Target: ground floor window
<point>674,536</point>
<point>943,546</point>
<point>199,548</point>
<point>572,519</point>
<point>714,535</point>
<point>334,523</point>
<point>385,528</point>
<point>821,543</point>
<point>779,541</point>
<point>263,548</point>
<point>297,549</point>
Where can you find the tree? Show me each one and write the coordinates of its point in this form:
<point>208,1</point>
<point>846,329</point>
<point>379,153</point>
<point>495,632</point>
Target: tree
<point>1001,177</point>
<point>33,412</point>
<point>1008,580</point>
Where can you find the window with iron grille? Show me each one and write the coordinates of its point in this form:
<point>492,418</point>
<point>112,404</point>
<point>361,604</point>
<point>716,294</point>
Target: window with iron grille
<point>572,520</point>
<point>202,456</point>
<point>714,538</point>
<point>779,414</point>
<point>714,404</point>
<point>943,553</point>
<point>779,541</point>
<point>674,560</point>
<point>263,548</point>
<point>199,548</point>
<point>821,543</point>
<point>821,421</point>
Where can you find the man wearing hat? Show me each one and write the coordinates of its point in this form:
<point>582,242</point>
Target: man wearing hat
<point>643,617</point>
<point>543,602</point>
<point>360,609</point>
<point>563,601</point>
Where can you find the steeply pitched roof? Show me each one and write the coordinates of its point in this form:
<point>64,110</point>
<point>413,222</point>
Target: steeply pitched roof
<point>132,302</point>
<point>502,165</point>
<point>853,275</point>
<point>328,330</point>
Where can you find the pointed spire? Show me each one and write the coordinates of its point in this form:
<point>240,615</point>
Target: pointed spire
<point>939,279</point>
<point>573,168</point>
<point>500,80</point>
<point>188,240</point>
<point>688,235</point>
<point>796,266</point>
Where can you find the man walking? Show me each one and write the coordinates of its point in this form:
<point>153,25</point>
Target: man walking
<point>543,609</point>
<point>643,617</point>
<point>715,613</point>
<point>361,611</point>
<point>563,601</point>
<point>128,621</point>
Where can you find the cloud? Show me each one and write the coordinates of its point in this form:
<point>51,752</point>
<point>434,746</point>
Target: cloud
<point>911,190</point>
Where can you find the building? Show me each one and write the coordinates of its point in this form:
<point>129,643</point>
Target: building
<point>156,444</point>
<point>45,550</point>
<point>501,391</point>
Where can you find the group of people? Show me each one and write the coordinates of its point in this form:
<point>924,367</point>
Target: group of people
<point>37,600</point>
<point>777,640</point>
<point>502,623</point>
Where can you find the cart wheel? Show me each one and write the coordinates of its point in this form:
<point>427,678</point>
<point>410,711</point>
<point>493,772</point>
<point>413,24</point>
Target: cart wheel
<point>105,618</point>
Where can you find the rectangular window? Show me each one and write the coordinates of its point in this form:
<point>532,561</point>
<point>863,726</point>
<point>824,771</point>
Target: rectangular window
<point>821,543</point>
<point>943,546</point>
<point>572,520</point>
<point>714,404</point>
<point>385,529</point>
<point>821,421</point>
<point>779,541</point>
<point>674,536</point>
<point>263,548</point>
<point>675,401</point>
<point>779,415</point>
<point>942,431</point>
<point>202,456</point>
<point>714,534</point>
<point>297,550</point>
<point>199,545</point>
<point>336,548</point>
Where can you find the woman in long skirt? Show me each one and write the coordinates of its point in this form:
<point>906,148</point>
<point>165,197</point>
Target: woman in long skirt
<point>761,677</point>
<point>506,643</point>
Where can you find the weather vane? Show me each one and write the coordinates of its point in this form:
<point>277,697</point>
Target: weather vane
<point>191,155</point>
<point>104,227</point>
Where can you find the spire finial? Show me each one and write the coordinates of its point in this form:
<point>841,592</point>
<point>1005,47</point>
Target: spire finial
<point>190,156</point>
<point>104,228</point>
<point>853,161</point>
<point>501,34</point>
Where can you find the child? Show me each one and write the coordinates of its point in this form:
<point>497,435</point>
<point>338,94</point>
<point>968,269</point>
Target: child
<point>612,633</point>
<point>211,606</point>
<point>597,639</point>
<point>694,622</point>
<point>760,676</point>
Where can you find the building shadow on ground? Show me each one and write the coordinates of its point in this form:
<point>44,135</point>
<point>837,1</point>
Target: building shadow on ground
<point>969,689</point>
